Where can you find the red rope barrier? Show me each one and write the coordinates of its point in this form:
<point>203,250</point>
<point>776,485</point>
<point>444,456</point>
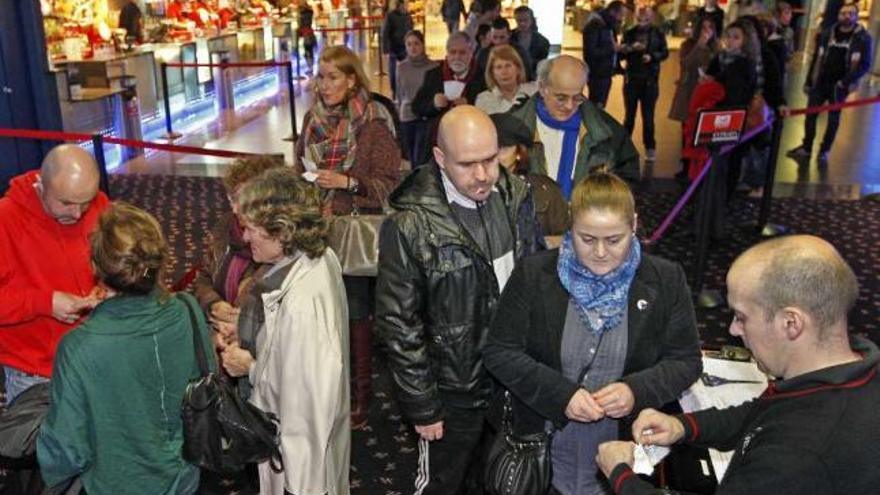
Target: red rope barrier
<point>176,148</point>
<point>77,136</point>
<point>232,64</point>
<point>336,30</point>
<point>45,135</point>
<point>834,106</point>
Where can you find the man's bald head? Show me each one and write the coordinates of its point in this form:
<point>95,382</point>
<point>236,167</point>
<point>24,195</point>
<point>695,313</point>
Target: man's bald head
<point>464,124</point>
<point>69,163</point>
<point>69,181</point>
<point>562,82</point>
<point>801,271</point>
<point>467,151</point>
<point>564,70</point>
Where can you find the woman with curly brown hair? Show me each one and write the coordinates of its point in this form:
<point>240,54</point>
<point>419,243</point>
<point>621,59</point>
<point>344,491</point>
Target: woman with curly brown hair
<point>228,269</point>
<point>294,339</point>
<point>119,378</point>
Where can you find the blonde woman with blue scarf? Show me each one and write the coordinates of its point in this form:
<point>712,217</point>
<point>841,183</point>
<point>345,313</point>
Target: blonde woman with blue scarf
<point>589,334</point>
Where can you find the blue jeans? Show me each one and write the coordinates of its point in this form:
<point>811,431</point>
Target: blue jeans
<point>19,381</point>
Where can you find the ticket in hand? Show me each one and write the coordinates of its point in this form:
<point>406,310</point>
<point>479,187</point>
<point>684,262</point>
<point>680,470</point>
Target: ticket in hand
<point>309,165</point>
<point>648,456</point>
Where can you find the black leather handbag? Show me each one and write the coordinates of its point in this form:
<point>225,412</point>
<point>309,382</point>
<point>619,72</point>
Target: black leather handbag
<point>517,464</point>
<point>222,432</point>
<point>21,421</point>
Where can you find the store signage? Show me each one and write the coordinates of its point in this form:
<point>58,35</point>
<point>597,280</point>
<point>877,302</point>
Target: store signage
<point>719,126</point>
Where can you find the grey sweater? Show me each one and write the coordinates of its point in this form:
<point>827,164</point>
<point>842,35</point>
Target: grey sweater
<point>410,75</point>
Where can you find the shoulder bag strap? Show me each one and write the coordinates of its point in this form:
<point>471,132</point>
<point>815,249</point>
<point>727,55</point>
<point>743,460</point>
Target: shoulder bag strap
<point>197,341</point>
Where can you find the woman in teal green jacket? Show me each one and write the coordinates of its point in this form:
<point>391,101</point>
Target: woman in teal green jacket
<point>119,378</point>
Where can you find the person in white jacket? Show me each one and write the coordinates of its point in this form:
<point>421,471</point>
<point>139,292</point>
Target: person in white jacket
<point>294,344</point>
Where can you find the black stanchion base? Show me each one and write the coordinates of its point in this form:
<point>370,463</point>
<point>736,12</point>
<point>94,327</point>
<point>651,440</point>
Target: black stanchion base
<point>289,138</point>
<point>709,298</point>
<point>774,230</point>
<point>171,136</point>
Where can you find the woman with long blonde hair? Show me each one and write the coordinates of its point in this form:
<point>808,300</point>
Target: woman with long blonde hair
<point>350,138</point>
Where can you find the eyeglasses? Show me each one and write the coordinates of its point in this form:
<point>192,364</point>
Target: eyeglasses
<point>562,99</point>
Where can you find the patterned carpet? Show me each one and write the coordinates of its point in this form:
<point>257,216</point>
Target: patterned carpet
<point>384,455</point>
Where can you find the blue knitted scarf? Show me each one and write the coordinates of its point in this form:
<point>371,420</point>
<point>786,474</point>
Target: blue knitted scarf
<point>599,299</point>
<point>571,127</point>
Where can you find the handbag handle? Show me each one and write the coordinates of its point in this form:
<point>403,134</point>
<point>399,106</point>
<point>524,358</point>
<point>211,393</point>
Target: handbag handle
<point>201,358</point>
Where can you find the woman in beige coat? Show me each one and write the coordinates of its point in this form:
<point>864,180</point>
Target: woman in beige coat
<point>294,346</point>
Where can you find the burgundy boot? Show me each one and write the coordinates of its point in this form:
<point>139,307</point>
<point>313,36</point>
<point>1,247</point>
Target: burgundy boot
<point>362,356</point>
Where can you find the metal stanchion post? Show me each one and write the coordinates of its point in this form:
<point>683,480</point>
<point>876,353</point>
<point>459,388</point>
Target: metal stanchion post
<point>296,39</point>
<point>379,50</point>
<point>223,81</point>
<point>292,102</point>
<point>98,150</point>
<point>169,133</point>
<point>706,298</point>
<point>768,229</point>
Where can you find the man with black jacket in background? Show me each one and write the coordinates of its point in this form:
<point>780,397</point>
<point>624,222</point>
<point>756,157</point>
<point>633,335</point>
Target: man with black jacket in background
<point>601,48</point>
<point>842,56</point>
<point>643,48</point>
<point>397,23</point>
<point>526,35</point>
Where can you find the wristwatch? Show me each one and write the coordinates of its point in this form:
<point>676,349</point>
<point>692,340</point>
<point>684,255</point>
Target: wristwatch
<point>354,186</point>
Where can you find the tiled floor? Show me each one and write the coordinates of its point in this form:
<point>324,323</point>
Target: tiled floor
<point>854,166</point>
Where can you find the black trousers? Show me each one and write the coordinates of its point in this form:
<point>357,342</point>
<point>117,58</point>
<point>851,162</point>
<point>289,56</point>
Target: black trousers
<point>819,95</point>
<point>599,88</point>
<point>455,464</point>
<point>642,92</point>
<point>414,135</point>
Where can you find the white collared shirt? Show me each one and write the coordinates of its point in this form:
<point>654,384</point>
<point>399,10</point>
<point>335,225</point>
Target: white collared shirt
<point>552,140</point>
<point>492,101</point>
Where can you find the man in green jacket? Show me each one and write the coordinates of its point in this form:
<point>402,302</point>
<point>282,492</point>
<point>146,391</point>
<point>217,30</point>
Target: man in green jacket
<point>573,136</point>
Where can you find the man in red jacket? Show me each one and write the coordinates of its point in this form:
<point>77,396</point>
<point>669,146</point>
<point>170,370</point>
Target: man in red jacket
<point>46,278</point>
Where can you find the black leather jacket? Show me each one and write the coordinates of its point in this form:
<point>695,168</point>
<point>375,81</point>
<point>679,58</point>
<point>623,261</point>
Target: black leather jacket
<point>436,294</point>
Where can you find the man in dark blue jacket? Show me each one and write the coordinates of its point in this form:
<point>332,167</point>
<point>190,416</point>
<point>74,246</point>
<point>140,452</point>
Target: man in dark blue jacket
<point>600,49</point>
<point>397,23</point>
<point>526,35</point>
<point>842,56</point>
<point>643,48</point>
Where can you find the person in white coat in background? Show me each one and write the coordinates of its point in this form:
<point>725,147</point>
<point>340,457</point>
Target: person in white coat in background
<point>294,339</point>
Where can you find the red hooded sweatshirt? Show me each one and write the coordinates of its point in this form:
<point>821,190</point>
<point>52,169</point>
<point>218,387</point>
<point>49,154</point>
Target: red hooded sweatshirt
<point>38,255</point>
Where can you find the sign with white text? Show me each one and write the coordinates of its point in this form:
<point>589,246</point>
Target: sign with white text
<point>719,126</point>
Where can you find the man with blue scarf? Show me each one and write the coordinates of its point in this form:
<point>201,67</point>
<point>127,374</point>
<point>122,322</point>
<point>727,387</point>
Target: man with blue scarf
<point>572,135</point>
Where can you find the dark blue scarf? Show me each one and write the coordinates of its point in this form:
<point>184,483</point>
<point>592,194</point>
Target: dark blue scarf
<point>571,127</point>
<point>599,299</point>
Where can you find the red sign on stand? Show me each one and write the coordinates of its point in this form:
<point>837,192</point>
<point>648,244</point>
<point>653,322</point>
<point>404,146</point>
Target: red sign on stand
<point>719,127</point>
